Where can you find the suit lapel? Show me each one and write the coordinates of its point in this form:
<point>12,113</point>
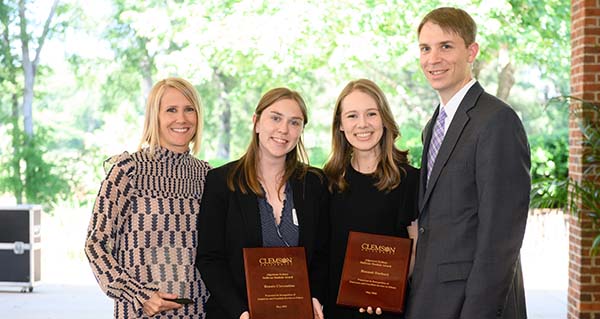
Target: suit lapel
<point>251,216</point>
<point>427,132</point>
<point>459,121</point>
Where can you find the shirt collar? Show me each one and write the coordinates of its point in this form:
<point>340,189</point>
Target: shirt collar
<point>452,105</point>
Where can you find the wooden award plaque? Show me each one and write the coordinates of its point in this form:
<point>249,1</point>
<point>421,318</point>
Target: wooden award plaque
<point>375,272</point>
<point>277,283</point>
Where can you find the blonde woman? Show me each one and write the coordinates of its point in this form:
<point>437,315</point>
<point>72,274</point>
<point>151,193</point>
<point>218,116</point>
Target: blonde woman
<point>141,241</point>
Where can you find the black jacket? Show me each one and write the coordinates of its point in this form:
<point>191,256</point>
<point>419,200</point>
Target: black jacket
<point>230,221</point>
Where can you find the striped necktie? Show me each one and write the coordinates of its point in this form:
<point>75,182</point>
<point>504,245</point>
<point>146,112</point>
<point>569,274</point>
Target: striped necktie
<point>436,141</point>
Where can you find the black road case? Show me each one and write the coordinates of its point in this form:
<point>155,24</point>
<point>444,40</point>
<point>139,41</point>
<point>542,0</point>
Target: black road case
<point>20,246</point>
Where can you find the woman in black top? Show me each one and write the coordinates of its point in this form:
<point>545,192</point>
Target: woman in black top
<point>267,198</point>
<point>373,188</point>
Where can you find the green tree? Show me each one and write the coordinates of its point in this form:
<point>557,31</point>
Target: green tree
<point>233,51</point>
<point>26,173</point>
<point>9,74</point>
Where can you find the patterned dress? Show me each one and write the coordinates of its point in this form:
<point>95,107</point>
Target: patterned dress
<point>142,236</point>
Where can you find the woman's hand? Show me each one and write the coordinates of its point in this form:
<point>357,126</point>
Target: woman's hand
<point>245,315</point>
<point>157,303</point>
<point>369,310</point>
<point>317,309</point>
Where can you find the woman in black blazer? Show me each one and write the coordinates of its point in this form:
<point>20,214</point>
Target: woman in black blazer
<point>269,197</point>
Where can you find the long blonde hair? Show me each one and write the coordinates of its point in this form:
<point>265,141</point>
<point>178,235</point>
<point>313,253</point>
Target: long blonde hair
<point>244,175</point>
<point>151,135</point>
<point>387,172</point>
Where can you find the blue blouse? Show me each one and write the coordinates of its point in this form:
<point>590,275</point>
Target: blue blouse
<point>286,233</point>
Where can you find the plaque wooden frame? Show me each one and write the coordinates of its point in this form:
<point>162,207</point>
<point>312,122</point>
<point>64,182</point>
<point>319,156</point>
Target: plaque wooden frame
<point>277,283</point>
<point>375,272</point>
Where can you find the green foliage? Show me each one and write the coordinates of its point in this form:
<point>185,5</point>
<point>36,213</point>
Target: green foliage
<point>411,140</point>
<point>528,27</point>
<point>317,156</point>
<point>235,50</point>
<point>549,170</point>
<point>579,197</point>
<point>549,155</point>
<point>43,181</point>
<point>549,192</point>
<point>216,162</point>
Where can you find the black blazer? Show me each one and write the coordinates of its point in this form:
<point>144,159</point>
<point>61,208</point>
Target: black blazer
<point>472,216</point>
<point>229,221</point>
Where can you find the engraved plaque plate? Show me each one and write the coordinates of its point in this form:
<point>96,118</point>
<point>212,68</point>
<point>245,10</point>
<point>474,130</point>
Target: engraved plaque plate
<point>375,272</point>
<point>277,283</point>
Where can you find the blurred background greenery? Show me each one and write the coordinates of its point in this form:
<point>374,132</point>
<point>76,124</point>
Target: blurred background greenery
<point>75,74</point>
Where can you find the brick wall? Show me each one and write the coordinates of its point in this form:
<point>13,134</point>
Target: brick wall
<point>584,270</point>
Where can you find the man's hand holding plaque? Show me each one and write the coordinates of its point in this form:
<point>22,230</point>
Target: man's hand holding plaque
<point>375,272</point>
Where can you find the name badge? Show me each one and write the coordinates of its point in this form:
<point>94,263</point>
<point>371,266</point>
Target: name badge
<point>294,217</point>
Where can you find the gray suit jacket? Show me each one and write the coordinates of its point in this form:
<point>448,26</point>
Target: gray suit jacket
<point>472,216</point>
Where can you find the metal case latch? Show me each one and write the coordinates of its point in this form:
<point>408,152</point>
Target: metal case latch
<point>19,248</point>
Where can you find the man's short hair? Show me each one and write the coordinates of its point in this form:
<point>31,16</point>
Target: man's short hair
<point>452,20</point>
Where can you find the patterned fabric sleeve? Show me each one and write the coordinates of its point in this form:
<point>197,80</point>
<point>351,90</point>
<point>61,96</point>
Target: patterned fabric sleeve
<point>110,210</point>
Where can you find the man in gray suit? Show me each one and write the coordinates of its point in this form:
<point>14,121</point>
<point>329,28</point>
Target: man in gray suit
<point>474,188</point>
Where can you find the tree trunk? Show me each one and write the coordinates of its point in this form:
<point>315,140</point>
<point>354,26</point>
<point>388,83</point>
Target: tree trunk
<point>223,146</point>
<point>477,67</point>
<point>28,73</point>
<point>17,182</point>
<point>147,82</point>
<point>506,80</point>
<point>30,66</point>
<point>223,150</point>
<point>146,67</point>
